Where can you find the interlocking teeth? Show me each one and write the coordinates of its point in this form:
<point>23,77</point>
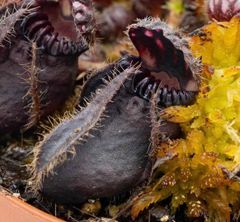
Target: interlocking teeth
<point>145,86</point>
<point>164,94</point>
<point>141,85</point>
<point>168,100</point>
<point>175,97</point>
<point>183,97</point>
<point>148,91</point>
<point>55,49</point>
<point>37,27</point>
<point>154,88</point>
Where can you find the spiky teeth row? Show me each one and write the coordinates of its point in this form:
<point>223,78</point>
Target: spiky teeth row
<point>37,27</point>
<point>147,86</point>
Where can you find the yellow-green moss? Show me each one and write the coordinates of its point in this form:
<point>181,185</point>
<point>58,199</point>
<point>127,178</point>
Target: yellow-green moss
<point>201,173</point>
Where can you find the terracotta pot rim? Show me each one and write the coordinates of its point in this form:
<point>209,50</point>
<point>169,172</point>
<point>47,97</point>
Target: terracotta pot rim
<point>14,209</point>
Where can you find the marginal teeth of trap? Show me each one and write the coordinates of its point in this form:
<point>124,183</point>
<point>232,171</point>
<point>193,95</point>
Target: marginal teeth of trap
<point>154,88</point>
<point>36,26</point>
<point>148,91</point>
<point>141,85</point>
<point>176,99</point>
<point>164,93</point>
<point>167,96</point>
<point>63,46</point>
<point>168,100</point>
<point>183,97</point>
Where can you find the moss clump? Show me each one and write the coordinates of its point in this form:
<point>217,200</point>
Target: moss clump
<point>202,169</point>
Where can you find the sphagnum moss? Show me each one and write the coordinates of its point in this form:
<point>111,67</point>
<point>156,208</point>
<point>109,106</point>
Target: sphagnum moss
<point>203,171</point>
